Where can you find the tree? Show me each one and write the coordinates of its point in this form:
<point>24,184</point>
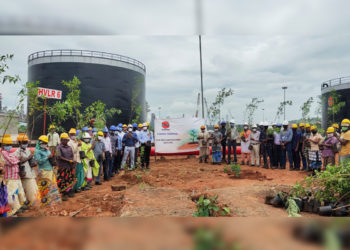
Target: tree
<point>318,111</point>
<point>136,109</point>
<point>251,108</point>
<point>213,112</point>
<point>4,67</point>
<point>281,108</point>
<point>337,104</point>
<point>193,134</point>
<point>72,101</point>
<point>305,109</point>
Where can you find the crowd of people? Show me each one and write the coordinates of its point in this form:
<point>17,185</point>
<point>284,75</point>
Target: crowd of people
<point>271,145</point>
<point>65,164</point>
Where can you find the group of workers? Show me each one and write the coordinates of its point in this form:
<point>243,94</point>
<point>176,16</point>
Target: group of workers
<point>302,145</point>
<point>62,165</point>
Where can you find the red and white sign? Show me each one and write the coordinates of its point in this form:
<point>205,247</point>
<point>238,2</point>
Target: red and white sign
<point>50,93</point>
<point>330,101</point>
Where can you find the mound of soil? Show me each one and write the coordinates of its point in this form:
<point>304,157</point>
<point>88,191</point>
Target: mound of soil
<point>250,175</point>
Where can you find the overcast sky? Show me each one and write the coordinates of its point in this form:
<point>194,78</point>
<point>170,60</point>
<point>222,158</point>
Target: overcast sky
<point>254,48</point>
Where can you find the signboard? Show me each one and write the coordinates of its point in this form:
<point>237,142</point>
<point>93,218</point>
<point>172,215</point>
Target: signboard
<point>330,101</point>
<point>50,93</point>
<point>177,135</point>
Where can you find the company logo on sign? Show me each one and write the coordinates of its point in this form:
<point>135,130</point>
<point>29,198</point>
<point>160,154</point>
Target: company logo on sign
<point>165,124</point>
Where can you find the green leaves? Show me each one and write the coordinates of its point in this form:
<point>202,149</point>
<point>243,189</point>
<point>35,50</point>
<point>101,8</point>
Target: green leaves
<point>251,108</point>
<point>213,112</point>
<point>4,67</point>
<point>209,207</point>
<point>305,109</point>
<point>292,208</point>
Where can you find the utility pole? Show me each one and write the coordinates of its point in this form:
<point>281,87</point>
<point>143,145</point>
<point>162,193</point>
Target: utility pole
<point>200,56</point>
<point>263,110</point>
<point>284,102</point>
<point>198,10</point>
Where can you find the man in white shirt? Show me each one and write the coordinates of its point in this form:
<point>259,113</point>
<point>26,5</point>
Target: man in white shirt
<point>54,139</point>
<point>108,154</point>
<point>255,149</point>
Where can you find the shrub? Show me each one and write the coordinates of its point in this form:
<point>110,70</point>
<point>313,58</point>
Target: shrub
<point>208,207</point>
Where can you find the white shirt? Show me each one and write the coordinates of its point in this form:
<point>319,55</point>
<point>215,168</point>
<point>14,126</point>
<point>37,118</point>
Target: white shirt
<point>24,155</point>
<point>107,142</point>
<point>54,139</point>
<point>137,144</point>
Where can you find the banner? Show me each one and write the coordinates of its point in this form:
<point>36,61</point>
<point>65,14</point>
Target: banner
<point>50,93</point>
<point>177,135</point>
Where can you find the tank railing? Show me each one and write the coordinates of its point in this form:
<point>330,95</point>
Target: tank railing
<point>335,82</point>
<point>85,53</point>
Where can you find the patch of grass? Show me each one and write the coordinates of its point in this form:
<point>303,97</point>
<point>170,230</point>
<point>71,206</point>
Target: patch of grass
<point>143,185</point>
<point>208,207</point>
<point>236,169</point>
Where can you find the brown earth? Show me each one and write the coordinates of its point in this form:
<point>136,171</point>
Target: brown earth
<point>166,190</point>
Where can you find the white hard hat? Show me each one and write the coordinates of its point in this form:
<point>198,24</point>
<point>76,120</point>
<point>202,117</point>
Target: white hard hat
<point>261,124</point>
<point>129,126</point>
<point>144,125</point>
<point>245,124</point>
<point>274,124</point>
<point>266,124</point>
<point>285,123</point>
<point>86,136</point>
<point>254,126</point>
<point>232,121</point>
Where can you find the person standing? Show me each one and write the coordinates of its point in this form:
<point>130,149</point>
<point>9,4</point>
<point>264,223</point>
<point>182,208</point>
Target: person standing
<point>118,151</point>
<point>301,150</point>
<point>15,194</point>
<point>286,143</point>
<point>108,152</point>
<point>344,140</point>
<point>296,138</point>
<point>232,136</point>
<point>91,166</point>
<point>315,153</point>
<point>146,140</point>
<point>223,141</point>
<point>263,144</point>
<point>129,140</point>
<point>306,145</point>
<point>99,151</point>
<point>245,144</point>
<point>330,148</point>
<point>54,139</point>
<point>269,143</point>
<point>27,171</point>
<point>66,168</point>
<point>75,144</point>
<point>277,148</point>
<point>137,144</point>
<point>203,141</point>
<point>113,137</point>
<point>216,146</point>
<point>255,146</point>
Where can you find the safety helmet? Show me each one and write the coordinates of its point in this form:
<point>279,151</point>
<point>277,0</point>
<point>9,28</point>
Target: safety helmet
<point>335,125</point>
<point>294,126</point>
<point>140,125</point>
<point>266,124</point>
<point>134,125</point>
<point>120,125</point>
<point>216,126</point>
<point>307,125</point>
<point>85,129</point>
<point>345,122</point>
<point>52,127</point>
<point>330,130</point>
<point>86,136</point>
<point>313,127</point>
<point>112,128</point>
<point>273,124</point>
<point>22,137</point>
<point>202,127</point>
<point>94,130</point>
<point>44,138</point>
<point>278,125</point>
<point>90,128</point>
<point>223,122</point>
<point>245,124</point>
<point>129,126</point>
<point>105,130</point>
<point>285,123</point>
<point>147,124</point>
<point>64,136</point>
<point>144,124</point>
<point>232,121</point>
<point>261,124</point>
<point>72,131</point>
<point>125,126</point>
<point>99,133</point>
<point>254,126</point>
<point>6,139</point>
<point>301,124</point>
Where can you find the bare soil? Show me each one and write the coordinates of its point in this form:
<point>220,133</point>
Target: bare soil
<point>167,188</point>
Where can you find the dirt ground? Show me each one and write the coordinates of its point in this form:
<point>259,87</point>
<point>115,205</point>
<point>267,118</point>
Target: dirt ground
<point>166,190</point>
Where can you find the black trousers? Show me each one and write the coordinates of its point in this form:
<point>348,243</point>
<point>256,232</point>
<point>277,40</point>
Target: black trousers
<point>277,156</point>
<point>233,144</point>
<point>106,166</point>
<point>296,159</point>
<point>223,144</point>
<point>146,155</point>
<point>117,160</point>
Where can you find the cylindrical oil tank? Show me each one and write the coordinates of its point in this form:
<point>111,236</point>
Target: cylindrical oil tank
<point>341,86</point>
<point>118,81</point>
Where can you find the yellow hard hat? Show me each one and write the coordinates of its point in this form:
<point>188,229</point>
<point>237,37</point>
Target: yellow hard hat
<point>202,127</point>
<point>100,133</point>
<point>72,131</point>
<point>140,125</point>
<point>44,138</point>
<point>22,137</point>
<point>52,126</point>
<point>330,130</point>
<point>345,121</point>
<point>216,126</point>
<point>294,126</point>
<point>335,125</point>
<point>301,124</point>
<point>90,128</point>
<point>313,127</point>
<point>147,124</point>
<point>125,126</point>
<point>64,136</point>
<point>307,125</point>
<point>6,139</point>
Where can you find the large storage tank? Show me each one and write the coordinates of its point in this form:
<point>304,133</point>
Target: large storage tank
<point>342,87</point>
<point>111,78</point>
